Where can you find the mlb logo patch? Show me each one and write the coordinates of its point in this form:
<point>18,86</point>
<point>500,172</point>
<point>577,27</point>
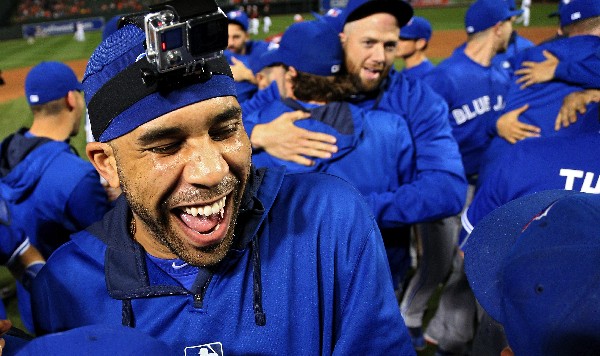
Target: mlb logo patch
<point>212,349</point>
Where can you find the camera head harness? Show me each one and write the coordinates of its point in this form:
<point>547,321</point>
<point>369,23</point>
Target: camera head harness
<point>184,43</point>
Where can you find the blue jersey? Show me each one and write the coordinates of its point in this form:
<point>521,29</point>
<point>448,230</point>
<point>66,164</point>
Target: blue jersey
<point>530,166</point>
<point>324,282</point>
<point>440,186</point>
<point>259,100</point>
<point>418,71</point>
<point>361,136</point>
<point>475,97</point>
<point>585,72</point>
<point>245,90</point>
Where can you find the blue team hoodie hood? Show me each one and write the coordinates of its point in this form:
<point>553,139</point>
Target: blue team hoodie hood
<point>125,264</point>
<point>18,179</point>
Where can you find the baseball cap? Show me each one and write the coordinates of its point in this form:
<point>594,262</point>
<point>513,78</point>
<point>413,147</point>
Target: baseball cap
<point>333,16</point>
<point>417,27</point>
<point>49,81</point>
<point>313,47</point>
<point>110,26</point>
<point>238,17</point>
<point>571,11</point>
<point>532,265</point>
<point>358,9</point>
<point>116,109</point>
<point>483,14</point>
<point>96,340</point>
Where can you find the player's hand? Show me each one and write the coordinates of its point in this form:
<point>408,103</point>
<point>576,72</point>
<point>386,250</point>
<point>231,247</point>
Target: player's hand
<point>240,72</point>
<point>537,72</point>
<point>5,325</point>
<point>573,104</point>
<point>284,140</point>
<point>512,130</point>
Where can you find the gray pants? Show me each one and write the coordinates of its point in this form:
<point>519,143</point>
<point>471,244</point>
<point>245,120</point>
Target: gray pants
<point>437,241</point>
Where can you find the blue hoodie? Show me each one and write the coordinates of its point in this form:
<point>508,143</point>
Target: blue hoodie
<point>307,274</point>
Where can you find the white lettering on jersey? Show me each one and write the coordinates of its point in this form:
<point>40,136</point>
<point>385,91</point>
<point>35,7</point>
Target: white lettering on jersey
<point>477,107</point>
<point>589,185</point>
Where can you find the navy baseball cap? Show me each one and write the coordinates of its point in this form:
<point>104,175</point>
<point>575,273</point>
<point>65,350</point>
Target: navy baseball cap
<point>358,9</point>
<point>238,17</point>
<point>49,81</point>
<point>96,340</point>
<point>483,14</point>
<point>571,11</point>
<point>417,27</point>
<point>533,266</point>
<point>313,47</point>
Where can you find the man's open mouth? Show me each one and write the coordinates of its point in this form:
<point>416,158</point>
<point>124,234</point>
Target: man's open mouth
<point>204,219</point>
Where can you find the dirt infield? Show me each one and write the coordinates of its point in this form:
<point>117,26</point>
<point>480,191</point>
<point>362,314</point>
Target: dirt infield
<point>441,45</point>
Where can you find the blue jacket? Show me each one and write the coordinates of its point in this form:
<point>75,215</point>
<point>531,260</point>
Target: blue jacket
<point>418,71</point>
<point>300,278</point>
<point>51,192</point>
<point>440,187</point>
<point>545,99</point>
<point>375,154</point>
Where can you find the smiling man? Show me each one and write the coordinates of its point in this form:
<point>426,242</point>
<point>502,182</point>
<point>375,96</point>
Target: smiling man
<point>202,251</point>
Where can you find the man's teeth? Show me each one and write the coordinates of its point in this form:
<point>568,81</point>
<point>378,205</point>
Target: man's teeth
<point>208,210</point>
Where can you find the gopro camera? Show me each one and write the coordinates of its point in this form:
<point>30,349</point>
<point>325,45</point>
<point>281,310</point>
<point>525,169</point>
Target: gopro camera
<point>172,44</point>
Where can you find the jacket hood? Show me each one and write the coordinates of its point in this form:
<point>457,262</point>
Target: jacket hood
<point>20,179</point>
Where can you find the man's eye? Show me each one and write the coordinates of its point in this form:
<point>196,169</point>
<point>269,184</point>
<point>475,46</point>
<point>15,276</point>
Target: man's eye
<point>225,132</point>
<point>390,47</point>
<point>165,149</point>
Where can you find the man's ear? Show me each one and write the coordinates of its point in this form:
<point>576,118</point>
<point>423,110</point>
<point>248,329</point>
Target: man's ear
<point>101,155</point>
<point>343,38</point>
<point>420,44</point>
<point>71,100</point>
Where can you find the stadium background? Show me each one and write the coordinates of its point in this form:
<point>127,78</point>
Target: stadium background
<point>17,55</point>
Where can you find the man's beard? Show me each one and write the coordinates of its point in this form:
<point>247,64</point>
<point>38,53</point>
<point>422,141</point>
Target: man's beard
<point>163,231</point>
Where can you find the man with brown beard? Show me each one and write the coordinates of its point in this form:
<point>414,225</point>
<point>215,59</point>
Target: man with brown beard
<point>202,251</point>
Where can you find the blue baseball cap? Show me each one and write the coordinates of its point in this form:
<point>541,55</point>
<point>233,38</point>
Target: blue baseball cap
<point>333,16</point>
<point>571,11</point>
<point>483,14</point>
<point>238,17</point>
<point>49,81</point>
<point>533,266</point>
<point>358,9</point>
<point>417,27</point>
<point>116,58</point>
<point>110,26</point>
<point>96,340</point>
<point>313,47</point>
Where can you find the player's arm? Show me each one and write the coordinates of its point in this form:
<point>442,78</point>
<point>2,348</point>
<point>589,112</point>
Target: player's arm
<point>573,104</point>
<point>281,138</point>
<point>88,202</point>
<point>512,130</point>
<point>240,72</point>
<point>585,73</point>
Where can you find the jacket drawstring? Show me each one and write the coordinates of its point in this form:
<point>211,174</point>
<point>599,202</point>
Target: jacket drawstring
<point>259,316</point>
<point>127,313</point>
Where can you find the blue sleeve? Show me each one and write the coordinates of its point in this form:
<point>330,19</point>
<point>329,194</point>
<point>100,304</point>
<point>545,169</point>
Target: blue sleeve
<point>88,202</point>
<point>584,73</point>
<point>439,188</point>
<point>368,303</point>
<point>13,241</point>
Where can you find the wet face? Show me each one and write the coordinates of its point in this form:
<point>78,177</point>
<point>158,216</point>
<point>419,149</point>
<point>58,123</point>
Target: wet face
<point>184,174</point>
<point>237,39</point>
<point>370,49</point>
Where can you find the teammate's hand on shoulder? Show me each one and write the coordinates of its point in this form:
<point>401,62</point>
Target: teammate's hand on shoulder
<point>573,104</point>
<point>537,72</point>
<point>281,138</point>
<point>240,72</point>
<point>512,130</point>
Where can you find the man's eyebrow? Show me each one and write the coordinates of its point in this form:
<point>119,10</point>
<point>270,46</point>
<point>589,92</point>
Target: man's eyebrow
<point>157,134</point>
<point>228,114</point>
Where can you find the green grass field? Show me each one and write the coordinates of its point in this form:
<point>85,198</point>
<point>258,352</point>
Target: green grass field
<point>15,113</point>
